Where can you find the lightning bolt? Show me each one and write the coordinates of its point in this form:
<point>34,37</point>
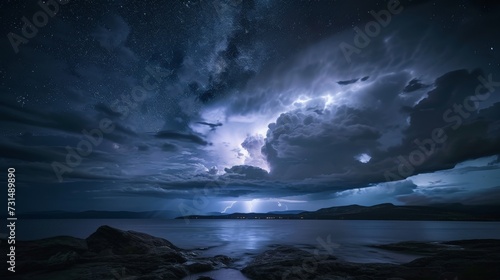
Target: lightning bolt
<point>228,207</point>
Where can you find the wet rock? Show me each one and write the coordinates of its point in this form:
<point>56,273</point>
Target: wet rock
<point>223,259</point>
<point>111,240</point>
<point>205,278</point>
<point>197,267</point>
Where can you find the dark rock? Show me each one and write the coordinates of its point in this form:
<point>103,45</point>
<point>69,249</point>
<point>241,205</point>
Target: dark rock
<point>197,267</point>
<point>44,249</point>
<point>111,240</point>
<point>223,259</point>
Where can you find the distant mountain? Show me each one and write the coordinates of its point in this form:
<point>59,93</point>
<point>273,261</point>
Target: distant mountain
<point>215,214</point>
<point>99,215</point>
<point>386,211</point>
<point>287,212</point>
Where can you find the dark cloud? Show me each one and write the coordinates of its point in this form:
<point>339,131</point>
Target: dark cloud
<point>167,147</point>
<point>466,131</point>
<point>143,147</point>
<point>415,85</point>
<point>71,122</point>
<point>342,83</point>
<point>181,137</point>
<point>213,126</point>
<point>246,172</point>
<point>451,194</point>
<point>106,110</point>
<point>31,154</point>
<point>302,144</point>
<point>485,197</point>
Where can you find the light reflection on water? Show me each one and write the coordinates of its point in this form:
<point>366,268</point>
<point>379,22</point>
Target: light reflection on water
<point>242,239</point>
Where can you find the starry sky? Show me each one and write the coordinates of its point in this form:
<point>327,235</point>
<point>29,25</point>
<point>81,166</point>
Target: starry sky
<point>249,105</point>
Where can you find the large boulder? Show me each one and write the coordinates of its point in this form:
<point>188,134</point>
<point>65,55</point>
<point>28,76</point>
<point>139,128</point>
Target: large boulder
<point>110,240</point>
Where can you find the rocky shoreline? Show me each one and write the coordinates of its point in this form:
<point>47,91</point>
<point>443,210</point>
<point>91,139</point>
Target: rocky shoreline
<point>111,253</point>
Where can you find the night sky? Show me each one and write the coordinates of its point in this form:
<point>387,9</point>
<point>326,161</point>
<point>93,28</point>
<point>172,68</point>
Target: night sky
<point>250,105</point>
